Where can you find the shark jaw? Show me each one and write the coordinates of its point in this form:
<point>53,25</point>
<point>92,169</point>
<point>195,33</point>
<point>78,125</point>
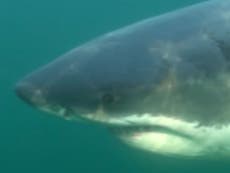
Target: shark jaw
<point>165,135</point>
<point>161,134</point>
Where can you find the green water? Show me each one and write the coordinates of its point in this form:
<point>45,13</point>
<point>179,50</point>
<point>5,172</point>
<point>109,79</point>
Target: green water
<point>31,34</point>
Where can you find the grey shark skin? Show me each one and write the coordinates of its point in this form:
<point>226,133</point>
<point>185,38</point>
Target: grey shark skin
<point>162,84</point>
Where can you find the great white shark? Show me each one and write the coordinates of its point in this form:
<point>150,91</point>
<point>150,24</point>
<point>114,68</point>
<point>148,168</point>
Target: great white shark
<point>161,84</point>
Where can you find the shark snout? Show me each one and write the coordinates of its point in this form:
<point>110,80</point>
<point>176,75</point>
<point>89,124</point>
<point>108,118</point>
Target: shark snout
<point>29,93</point>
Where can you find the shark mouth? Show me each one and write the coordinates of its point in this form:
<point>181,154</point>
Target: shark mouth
<point>165,135</point>
<point>161,134</point>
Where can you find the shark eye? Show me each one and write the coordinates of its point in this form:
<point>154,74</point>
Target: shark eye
<point>108,98</point>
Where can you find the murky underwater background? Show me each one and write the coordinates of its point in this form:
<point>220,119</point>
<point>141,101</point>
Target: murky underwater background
<point>33,33</point>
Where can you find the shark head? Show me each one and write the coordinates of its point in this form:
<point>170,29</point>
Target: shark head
<point>156,90</point>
